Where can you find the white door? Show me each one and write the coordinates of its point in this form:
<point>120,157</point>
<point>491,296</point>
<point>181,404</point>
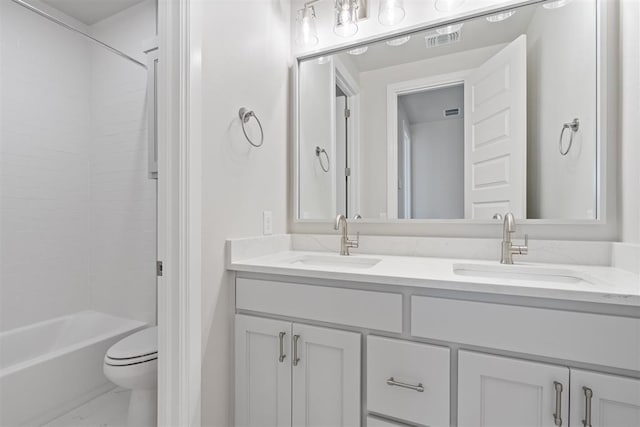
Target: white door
<point>263,372</point>
<point>326,377</point>
<point>341,156</point>
<point>495,149</point>
<point>502,392</point>
<point>604,400</point>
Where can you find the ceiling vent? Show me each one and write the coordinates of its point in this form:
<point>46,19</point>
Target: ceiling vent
<point>451,112</point>
<point>433,39</point>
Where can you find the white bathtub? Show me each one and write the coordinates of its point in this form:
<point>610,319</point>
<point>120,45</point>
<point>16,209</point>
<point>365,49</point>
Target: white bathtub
<point>50,367</point>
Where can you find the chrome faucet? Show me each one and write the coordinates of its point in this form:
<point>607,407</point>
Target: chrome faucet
<point>508,248</point>
<point>345,242</point>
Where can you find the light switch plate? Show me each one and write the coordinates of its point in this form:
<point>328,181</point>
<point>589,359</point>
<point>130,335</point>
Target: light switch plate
<point>267,223</point>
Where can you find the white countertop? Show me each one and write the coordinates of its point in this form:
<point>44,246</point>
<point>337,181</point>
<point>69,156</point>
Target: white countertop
<point>599,284</point>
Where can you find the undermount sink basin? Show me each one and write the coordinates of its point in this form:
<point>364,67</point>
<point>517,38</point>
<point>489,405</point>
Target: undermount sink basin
<point>517,272</point>
<point>335,261</point>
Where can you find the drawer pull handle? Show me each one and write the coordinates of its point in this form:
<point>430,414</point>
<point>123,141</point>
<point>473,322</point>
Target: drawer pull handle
<point>282,355</point>
<point>395,383</point>
<point>588,394</point>
<point>296,359</point>
<point>557,416</point>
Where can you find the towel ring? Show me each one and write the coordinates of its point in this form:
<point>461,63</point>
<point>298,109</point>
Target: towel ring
<point>574,126</point>
<point>245,116</point>
<point>323,151</point>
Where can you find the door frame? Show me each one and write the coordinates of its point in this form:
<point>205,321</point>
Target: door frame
<point>179,213</point>
<point>349,85</point>
<point>395,90</point>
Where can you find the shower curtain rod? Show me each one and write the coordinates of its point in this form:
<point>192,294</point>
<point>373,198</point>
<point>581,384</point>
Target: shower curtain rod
<point>69,27</point>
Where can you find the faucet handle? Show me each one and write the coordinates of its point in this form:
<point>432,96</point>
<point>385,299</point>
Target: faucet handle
<point>355,243</point>
<point>524,249</point>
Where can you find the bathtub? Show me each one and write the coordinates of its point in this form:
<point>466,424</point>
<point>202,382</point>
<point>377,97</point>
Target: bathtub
<point>48,368</point>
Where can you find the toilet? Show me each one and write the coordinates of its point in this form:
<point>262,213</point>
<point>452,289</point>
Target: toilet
<point>132,363</point>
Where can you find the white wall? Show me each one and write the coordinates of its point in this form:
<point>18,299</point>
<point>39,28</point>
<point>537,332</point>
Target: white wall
<point>245,62</point>
<point>44,135</point>
<point>373,129</point>
<point>122,208</point>
<point>561,186</point>
<point>437,170</point>
<point>629,160</point>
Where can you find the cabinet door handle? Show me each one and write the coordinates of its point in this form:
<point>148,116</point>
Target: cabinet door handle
<point>588,394</point>
<point>557,416</point>
<point>282,354</point>
<point>296,359</point>
<point>395,383</point>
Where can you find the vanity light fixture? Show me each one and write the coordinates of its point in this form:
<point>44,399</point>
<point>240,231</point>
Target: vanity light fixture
<point>399,41</point>
<point>449,29</point>
<point>501,16</point>
<point>391,12</point>
<point>448,5</point>
<point>346,20</point>
<point>306,32</point>
<point>557,4</point>
<point>359,50</point>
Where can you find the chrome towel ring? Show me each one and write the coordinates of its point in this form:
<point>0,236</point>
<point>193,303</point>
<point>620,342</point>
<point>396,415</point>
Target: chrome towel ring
<point>320,151</point>
<point>574,126</point>
<point>245,116</point>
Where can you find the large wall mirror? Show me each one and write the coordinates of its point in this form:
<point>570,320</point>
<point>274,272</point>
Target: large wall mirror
<point>469,121</point>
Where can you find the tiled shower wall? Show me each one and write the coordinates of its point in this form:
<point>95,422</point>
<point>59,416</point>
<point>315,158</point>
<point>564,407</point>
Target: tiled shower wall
<point>122,208</point>
<point>77,214</point>
<point>45,117</point>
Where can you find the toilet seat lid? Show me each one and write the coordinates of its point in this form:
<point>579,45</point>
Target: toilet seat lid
<point>137,345</point>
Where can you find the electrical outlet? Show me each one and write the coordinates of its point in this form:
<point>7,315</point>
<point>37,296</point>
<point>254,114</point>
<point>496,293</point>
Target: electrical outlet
<point>267,223</point>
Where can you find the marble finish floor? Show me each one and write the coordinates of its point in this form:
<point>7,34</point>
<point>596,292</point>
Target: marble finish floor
<point>106,410</point>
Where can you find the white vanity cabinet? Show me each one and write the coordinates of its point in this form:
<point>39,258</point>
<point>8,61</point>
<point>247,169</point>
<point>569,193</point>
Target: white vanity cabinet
<point>410,358</point>
<point>601,400</point>
<point>500,391</point>
<point>294,374</point>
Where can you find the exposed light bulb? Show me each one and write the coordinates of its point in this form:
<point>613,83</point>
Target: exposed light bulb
<point>359,50</point>
<point>346,18</point>
<point>501,16</point>
<point>391,12</point>
<point>557,4</point>
<point>448,5</point>
<point>323,60</point>
<point>449,29</point>
<point>399,41</point>
<point>306,32</point>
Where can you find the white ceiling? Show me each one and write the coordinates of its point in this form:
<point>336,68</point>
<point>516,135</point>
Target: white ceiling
<point>429,106</point>
<point>475,34</point>
<point>91,11</point>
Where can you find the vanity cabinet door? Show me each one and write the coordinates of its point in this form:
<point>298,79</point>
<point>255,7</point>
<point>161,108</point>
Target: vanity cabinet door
<point>601,400</point>
<point>499,391</point>
<point>326,377</point>
<point>263,372</point>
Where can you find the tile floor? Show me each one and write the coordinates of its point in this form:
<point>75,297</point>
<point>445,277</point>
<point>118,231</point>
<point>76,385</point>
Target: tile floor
<point>106,410</point>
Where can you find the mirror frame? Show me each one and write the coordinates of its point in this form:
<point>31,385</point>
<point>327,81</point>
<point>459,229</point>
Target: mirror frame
<point>604,227</point>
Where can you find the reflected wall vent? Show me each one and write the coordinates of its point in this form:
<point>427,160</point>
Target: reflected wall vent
<point>451,112</point>
<point>433,39</point>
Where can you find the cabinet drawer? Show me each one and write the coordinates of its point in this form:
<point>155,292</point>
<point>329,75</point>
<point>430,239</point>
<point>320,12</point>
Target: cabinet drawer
<point>373,310</point>
<point>414,364</point>
<point>569,335</point>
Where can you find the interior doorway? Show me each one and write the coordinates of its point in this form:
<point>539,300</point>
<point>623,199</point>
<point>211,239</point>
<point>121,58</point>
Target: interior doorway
<point>431,153</point>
